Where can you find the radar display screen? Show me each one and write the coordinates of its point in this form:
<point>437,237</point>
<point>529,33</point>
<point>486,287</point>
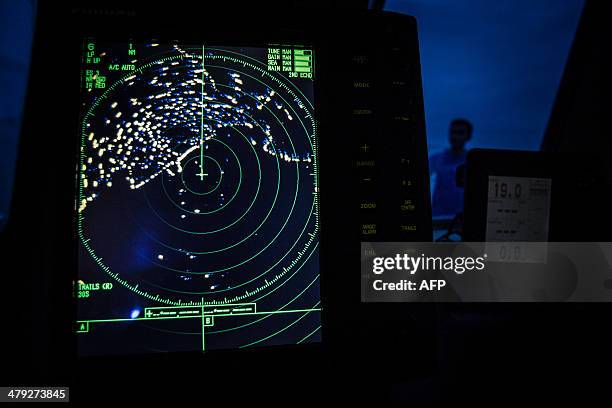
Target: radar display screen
<point>197,198</point>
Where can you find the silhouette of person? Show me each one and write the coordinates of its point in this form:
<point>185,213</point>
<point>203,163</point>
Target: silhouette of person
<point>447,196</point>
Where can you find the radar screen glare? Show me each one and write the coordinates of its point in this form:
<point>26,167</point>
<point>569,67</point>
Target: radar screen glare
<point>197,202</point>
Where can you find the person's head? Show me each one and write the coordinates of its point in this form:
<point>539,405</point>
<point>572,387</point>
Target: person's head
<point>460,133</point>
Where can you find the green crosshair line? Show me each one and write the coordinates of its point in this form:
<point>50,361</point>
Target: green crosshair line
<point>202,174</point>
<point>203,338</point>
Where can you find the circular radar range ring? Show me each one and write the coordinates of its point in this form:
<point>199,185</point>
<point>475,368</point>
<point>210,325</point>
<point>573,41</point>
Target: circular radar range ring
<point>198,180</point>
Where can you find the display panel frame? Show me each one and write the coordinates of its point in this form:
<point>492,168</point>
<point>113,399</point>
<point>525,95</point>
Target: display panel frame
<point>337,38</point>
<point>96,27</point>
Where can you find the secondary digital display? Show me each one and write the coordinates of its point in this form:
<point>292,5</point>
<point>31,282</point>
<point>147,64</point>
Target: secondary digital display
<point>518,209</point>
<point>197,203</point>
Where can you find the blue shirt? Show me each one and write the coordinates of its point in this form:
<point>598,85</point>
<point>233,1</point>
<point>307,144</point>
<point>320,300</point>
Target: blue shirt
<point>447,197</point>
